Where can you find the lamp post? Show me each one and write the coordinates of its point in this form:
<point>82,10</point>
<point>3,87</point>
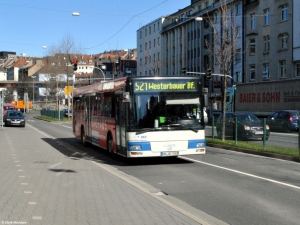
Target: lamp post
<point>101,71</point>
<point>33,91</point>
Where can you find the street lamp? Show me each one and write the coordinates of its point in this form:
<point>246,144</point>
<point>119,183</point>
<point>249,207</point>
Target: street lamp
<point>33,90</point>
<point>101,71</point>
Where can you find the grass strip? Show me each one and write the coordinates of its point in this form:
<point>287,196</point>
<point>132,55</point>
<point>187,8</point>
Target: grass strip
<point>255,147</point>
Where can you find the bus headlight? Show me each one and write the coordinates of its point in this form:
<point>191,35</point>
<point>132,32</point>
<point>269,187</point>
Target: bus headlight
<point>134,147</point>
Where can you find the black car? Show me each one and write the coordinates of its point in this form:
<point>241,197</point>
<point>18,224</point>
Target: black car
<point>285,121</point>
<point>14,118</point>
<point>249,126</point>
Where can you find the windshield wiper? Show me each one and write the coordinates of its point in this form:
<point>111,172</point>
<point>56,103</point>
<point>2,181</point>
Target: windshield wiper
<point>181,125</point>
<point>144,131</point>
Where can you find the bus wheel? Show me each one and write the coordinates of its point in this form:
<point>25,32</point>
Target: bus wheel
<point>83,137</point>
<point>110,145</point>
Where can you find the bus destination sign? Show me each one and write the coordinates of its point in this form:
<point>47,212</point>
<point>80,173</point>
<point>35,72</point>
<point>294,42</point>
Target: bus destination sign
<point>165,85</point>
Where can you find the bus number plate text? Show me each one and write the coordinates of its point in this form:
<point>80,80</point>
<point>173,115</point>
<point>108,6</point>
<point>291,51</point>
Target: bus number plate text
<point>168,153</point>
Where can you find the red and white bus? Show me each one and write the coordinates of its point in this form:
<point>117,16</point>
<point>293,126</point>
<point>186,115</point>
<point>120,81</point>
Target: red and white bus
<point>142,116</point>
<point>8,106</point>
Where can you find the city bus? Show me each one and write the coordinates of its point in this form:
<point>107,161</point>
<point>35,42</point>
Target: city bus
<point>8,106</point>
<point>142,116</point>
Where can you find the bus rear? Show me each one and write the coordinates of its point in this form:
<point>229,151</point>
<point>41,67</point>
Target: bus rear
<point>8,106</point>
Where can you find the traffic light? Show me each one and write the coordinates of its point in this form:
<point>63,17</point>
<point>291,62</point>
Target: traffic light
<point>183,70</point>
<point>75,61</point>
<point>208,74</point>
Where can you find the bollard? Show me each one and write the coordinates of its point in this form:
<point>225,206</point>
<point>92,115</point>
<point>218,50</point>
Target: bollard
<point>236,131</point>
<point>213,128</point>
<point>265,132</point>
<point>299,136</point>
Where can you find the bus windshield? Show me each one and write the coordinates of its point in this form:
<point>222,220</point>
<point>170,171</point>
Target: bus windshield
<point>164,110</point>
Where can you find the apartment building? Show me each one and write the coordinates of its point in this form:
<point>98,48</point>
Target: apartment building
<point>149,59</point>
<point>191,43</point>
<point>269,40</point>
<point>296,38</point>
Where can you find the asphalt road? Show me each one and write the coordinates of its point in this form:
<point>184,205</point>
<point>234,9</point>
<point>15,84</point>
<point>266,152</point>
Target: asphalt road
<point>234,187</point>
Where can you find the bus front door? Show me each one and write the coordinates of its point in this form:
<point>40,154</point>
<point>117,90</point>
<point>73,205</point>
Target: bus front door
<point>120,126</point>
<point>88,120</point>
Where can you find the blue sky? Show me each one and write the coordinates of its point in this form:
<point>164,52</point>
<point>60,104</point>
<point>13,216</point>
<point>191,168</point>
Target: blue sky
<point>27,25</point>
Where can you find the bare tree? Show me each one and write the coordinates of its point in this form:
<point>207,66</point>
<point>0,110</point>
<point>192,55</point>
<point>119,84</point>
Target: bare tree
<point>61,60</point>
<point>223,48</point>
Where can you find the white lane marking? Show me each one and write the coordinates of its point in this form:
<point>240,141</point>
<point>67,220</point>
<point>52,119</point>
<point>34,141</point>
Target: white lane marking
<point>31,203</point>
<point>41,132</point>
<point>66,126</point>
<point>239,172</point>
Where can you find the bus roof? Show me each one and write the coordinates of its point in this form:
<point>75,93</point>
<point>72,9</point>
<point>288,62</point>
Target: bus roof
<point>120,82</point>
<point>98,87</point>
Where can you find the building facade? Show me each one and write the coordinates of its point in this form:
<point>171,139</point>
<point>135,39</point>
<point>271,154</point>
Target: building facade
<point>149,44</point>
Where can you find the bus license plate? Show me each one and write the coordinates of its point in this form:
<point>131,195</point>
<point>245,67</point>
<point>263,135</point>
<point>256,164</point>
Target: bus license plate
<point>168,153</point>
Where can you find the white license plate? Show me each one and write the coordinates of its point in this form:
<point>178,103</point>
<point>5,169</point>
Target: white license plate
<point>15,121</point>
<point>258,132</point>
<point>168,153</point>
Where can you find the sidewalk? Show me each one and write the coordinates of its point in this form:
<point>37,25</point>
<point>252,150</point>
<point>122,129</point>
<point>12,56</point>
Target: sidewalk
<point>40,185</point>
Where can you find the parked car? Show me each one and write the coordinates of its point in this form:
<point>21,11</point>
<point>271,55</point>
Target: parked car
<point>285,121</point>
<point>66,114</point>
<point>249,126</point>
<point>14,118</point>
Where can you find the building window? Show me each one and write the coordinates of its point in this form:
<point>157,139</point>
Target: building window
<point>141,48</point>
<point>149,44</point>
<point>158,56</point>
<point>145,32</point>
<point>141,34</point>
<point>217,17</point>
<point>266,71</point>
<point>158,41</point>
<point>298,69</point>
<point>252,72</point>
<point>284,12</point>
<point>282,68</point>
<point>145,46</point>
<point>141,61</point>
<point>238,9</point>
<point>154,43</point>
<point>145,59</point>
<point>149,30</point>
<point>267,16</point>
<point>253,21</point>
<point>206,23</point>
<point>238,54</point>
<point>153,57</point>
<point>283,41</point>
<point>206,41</point>
<point>266,43</point>
<point>238,77</point>
<point>252,46</point>
<point>153,27</point>
<point>237,31</point>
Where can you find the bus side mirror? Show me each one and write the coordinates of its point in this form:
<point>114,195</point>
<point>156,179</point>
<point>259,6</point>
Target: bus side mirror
<point>126,97</point>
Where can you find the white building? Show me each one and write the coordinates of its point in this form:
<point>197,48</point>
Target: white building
<point>149,49</point>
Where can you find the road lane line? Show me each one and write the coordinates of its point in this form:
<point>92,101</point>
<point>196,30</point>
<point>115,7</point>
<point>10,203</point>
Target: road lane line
<point>243,173</point>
